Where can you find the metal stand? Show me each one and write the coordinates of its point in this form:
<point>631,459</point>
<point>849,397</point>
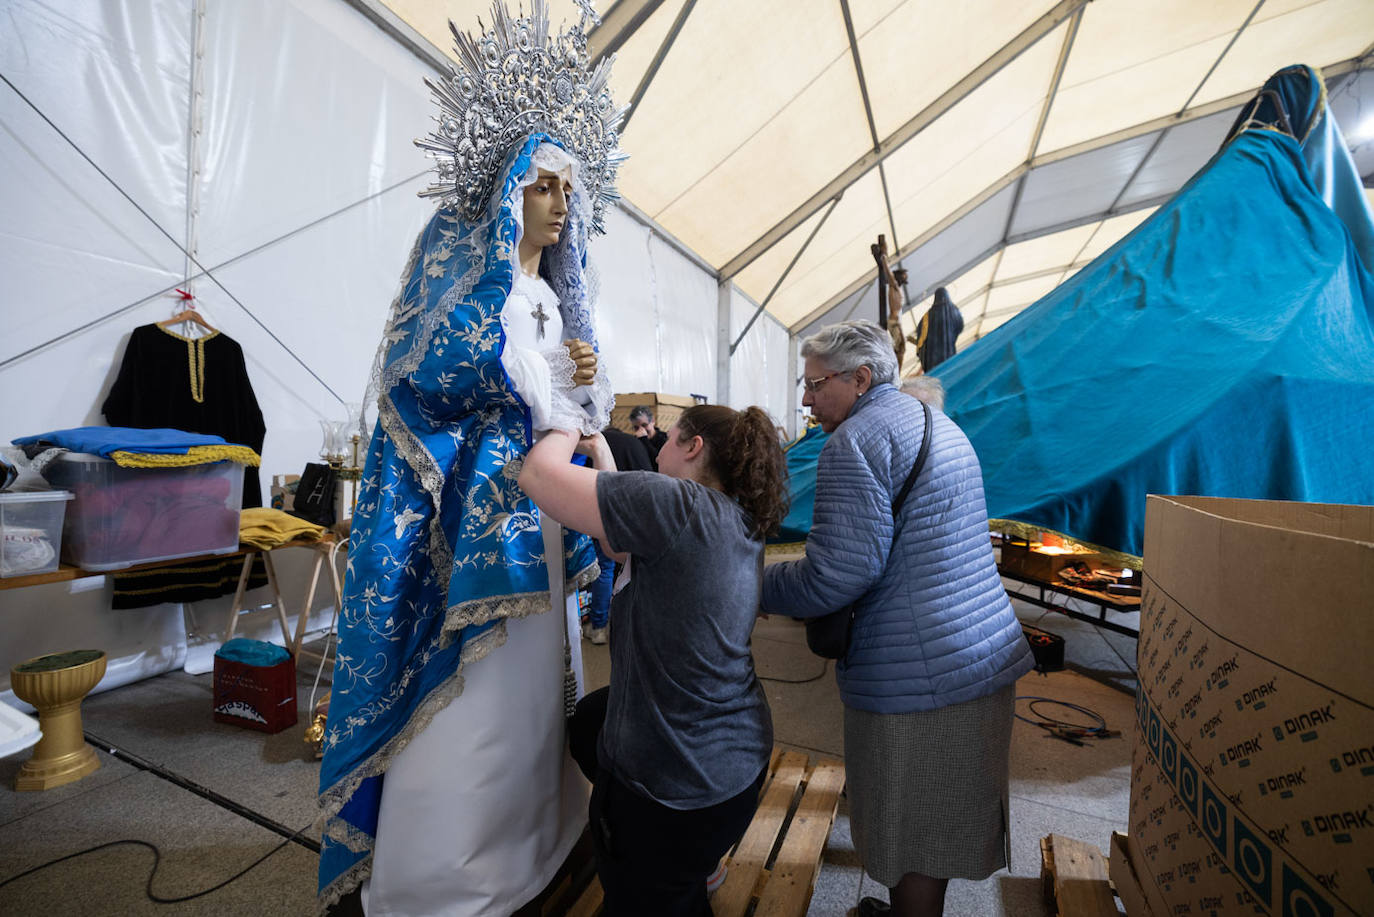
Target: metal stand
<point>1103,602</point>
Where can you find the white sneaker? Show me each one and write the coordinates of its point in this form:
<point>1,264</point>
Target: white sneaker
<point>717,878</point>
<point>597,635</point>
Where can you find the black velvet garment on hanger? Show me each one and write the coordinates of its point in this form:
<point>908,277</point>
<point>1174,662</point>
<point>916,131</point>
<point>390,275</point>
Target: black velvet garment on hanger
<point>199,385</point>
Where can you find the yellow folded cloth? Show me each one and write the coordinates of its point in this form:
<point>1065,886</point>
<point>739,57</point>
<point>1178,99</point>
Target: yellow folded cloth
<point>195,455</point>
<point>264,527</point>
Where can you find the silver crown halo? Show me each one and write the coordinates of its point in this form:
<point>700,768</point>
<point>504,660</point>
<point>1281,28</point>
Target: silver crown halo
<point>513,80</point>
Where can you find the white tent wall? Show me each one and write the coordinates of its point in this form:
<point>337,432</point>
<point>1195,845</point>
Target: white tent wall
<point>656,312</point>
<point>294,186</point>
<point>758,367</point>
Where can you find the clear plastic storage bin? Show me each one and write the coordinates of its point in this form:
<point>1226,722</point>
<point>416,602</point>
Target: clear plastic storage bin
<point>31,531</point>
<point>125,516</point>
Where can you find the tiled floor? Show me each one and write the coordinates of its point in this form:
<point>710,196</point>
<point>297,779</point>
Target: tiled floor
<point>166,723</point>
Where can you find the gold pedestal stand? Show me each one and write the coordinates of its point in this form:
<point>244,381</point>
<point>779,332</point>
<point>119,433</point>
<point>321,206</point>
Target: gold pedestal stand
<point>56,684</point>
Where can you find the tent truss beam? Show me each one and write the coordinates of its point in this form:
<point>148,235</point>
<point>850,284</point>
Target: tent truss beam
<point>927,116</point>
<point>1065,49</point>
<point>868,113</point>
<point>659,56</point>
<point>1350,66</point>
<point>783,276</point>
<point>1207,109</point>
<point>618,26</point>
<point>1159,138</point>
<point>1036,234</point>
<point>381,15</point>
<point>971,263</point>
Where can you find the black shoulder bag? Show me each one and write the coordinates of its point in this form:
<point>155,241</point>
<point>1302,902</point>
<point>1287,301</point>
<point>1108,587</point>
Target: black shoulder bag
<point>828,635</point>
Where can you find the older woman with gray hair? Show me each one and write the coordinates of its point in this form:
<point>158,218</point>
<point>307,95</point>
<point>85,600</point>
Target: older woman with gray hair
<point>926,388</point>
<point>928,680</point>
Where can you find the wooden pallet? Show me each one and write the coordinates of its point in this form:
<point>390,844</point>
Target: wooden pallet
<point>1075,878</point>
<point>774,866</point>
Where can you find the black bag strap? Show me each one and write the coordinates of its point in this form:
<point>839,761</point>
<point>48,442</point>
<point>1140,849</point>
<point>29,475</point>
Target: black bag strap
<point>915,469</point>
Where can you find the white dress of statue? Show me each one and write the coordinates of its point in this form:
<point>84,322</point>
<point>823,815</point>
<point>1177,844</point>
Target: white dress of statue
<point>483,806</point>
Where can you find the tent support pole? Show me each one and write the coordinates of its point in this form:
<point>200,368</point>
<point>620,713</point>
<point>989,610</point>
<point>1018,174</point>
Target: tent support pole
<point>923,119</point>
<point>618,26</point>
<point>1064,50</point>
<point>791,264</point>
<point>657,62</point>
<point>1140,166</point>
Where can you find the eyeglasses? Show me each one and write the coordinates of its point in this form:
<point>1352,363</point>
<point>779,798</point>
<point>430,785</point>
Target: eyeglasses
<point>814,385</point>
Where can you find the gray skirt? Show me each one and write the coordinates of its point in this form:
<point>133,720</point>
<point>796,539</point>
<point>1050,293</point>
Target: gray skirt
<point>928,791</point>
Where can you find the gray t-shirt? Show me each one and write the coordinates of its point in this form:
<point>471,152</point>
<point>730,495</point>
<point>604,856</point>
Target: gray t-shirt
<point>687,724</point>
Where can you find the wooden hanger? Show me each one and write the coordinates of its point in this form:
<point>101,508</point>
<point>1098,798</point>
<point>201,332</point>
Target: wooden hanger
<point>188,314</point>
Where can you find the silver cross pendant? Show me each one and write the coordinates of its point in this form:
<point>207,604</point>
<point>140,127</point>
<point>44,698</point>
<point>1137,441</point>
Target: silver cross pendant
<point>540,316</point>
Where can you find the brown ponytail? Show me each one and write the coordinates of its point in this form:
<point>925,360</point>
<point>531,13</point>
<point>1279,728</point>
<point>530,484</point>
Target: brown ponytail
<point>745,457</point>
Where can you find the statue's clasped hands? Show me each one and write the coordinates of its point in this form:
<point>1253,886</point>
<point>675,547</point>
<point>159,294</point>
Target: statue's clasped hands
<point>584,359</point>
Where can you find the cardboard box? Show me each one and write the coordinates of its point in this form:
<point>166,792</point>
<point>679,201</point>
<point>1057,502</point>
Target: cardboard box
<point>283,494</point>
<point>1252,782</point>
<point>666,408</point>
<point>1124,879</point>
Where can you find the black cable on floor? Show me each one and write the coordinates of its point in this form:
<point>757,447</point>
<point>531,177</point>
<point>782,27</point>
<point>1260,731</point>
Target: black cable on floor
<point>825,665</point>
<point>157,860</point>
<point>224,802</point>
<point>1067,730</point>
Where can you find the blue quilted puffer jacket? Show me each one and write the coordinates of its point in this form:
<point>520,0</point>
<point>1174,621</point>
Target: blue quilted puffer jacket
<point>933,624</point>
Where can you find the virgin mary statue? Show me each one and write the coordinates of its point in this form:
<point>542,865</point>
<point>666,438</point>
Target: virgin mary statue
<point>446,787</point>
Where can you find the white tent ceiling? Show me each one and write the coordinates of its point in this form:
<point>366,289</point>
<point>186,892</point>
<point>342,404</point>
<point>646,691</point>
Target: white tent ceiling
<point>1000,145</point>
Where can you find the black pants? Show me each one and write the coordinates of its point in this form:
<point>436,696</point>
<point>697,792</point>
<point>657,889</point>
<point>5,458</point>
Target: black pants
<point>652,860</point>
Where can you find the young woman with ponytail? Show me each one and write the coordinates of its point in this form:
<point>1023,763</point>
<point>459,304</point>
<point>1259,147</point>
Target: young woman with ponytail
<point>677,747</point>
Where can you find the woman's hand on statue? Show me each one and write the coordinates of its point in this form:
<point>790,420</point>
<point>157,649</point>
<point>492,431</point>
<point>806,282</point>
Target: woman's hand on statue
<point>598,450</point>
<point>584,357</point>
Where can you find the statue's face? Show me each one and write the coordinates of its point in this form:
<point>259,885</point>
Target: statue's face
<point>546,207</point>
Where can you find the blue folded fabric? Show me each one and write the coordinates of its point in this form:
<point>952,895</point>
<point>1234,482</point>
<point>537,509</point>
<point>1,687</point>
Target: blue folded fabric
<point>256,653</point>
<point>103,441</point>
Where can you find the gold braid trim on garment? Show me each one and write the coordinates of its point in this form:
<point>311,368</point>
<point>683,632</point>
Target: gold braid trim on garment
<point>195,455</point>
<point>195,358</point>
<point>1025,530</point>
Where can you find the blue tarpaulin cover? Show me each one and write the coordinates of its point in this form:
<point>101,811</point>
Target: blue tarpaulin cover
<point>802,456</point>
<point>1223,348</point>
